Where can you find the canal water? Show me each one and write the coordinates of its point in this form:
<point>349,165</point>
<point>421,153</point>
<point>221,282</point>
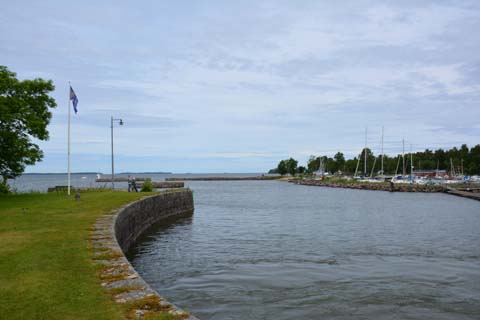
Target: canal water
<point>274,250</point>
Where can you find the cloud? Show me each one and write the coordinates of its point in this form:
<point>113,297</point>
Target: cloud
<point>237,86</point>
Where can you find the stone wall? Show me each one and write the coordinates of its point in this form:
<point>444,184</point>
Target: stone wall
<point>116,232</point>
<point>137,217</point>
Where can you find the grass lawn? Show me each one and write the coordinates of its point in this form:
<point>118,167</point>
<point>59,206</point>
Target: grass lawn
<point>46,271</point>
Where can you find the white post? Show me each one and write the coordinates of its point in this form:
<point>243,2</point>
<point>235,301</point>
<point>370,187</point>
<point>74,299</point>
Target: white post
<point>68,153</point>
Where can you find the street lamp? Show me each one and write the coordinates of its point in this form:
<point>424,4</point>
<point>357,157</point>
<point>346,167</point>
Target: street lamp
<point>120,121</point>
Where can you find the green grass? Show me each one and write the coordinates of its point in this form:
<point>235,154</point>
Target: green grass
<point>46,268</point>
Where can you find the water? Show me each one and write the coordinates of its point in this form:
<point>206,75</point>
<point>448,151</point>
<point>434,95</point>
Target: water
<point>41,182</point>
<point>273,250</point>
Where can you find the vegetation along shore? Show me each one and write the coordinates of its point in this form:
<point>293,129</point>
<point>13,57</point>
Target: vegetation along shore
<point>462,160</point>
<point>47,269</point>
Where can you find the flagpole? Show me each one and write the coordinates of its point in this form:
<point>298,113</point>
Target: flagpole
<point>68,153</point>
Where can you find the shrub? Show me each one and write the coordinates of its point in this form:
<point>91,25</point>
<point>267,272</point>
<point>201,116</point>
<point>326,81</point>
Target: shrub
<point>147,185</point>
<point>4,188</point>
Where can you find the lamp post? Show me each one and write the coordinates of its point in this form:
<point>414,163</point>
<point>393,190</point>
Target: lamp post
<point>120,121</point>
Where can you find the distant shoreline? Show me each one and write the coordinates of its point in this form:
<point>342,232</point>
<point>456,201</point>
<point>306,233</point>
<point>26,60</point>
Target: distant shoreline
<point>213,178</point>
<point>100,173</point>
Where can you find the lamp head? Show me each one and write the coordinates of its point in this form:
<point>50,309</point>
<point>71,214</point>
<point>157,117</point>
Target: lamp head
<point>121,122</point>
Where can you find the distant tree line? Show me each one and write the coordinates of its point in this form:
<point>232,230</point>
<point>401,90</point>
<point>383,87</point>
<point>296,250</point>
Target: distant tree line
<point>464,160</point>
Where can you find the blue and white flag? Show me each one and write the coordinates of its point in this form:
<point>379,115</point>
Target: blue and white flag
<point>74,99</point>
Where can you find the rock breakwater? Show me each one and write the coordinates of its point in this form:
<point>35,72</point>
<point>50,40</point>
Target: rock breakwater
<point>381,186</point>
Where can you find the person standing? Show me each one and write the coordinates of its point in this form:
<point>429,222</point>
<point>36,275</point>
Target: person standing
<point>134,184</point>
<point>130,183</point>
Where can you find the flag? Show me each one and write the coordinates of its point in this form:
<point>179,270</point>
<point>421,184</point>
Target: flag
<point>74,99</point>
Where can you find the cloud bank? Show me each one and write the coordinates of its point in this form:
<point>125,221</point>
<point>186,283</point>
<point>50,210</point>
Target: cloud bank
<point>222,86</point>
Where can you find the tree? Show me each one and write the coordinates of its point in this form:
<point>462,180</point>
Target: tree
<point>282,168</point>
<point>291,165</point>
<point>370,161</point>
<point>24,114</point>
<point>338,163</point>
<point>339,158</point>
<point>312,164</point>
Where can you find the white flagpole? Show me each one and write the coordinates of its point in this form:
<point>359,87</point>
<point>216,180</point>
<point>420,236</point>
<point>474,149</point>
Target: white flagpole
<point>68,154</point>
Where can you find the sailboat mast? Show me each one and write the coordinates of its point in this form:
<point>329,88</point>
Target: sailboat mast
<point>365,164</point>
<point>411,162</point>
<point>382,153</point>
<point>403,158</point>
<point>398,164</point>
<point>358,163</point>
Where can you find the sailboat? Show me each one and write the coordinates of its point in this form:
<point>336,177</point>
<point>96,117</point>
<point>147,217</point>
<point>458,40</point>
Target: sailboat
<point>364,151</point>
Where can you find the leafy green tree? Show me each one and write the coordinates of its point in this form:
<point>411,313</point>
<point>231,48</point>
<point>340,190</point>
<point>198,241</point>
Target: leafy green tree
<point>301,170</point>
<point>370,161</point>
<point>24,114</point>
<point>291,165</point>
<point>339,158</point>
<point>337,163</point>
<point>468,159</point>
<point>313,164</point>
<point>282,168</point>
<point>350,165</point>
<point>473,165</point>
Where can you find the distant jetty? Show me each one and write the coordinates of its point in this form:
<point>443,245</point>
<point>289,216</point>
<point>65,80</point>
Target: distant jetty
<point>118,179</point>
<point>163,185</point>
<point>471,193</point>
<point>381,186</point>
<point>225,178</point>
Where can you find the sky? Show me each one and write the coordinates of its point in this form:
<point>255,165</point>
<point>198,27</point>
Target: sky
<point>236,86</point>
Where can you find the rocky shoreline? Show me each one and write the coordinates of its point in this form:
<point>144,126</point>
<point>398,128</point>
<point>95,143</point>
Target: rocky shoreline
<point>372,186</point>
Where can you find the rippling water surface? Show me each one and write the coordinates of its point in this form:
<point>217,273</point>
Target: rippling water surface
<point>273,250</point>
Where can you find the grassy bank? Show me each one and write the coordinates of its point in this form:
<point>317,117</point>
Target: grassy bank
<point>46,271</point>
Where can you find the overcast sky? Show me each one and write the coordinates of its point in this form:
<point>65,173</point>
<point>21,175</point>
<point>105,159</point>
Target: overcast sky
<point>236,86</point>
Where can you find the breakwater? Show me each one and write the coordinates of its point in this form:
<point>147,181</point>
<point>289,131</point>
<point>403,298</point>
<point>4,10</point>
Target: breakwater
<point>117,179</point>
<point>164,185</point>
<point>225,178</point>
<point>381,186</point>
<point>115,233</point>
<point>474,195</point>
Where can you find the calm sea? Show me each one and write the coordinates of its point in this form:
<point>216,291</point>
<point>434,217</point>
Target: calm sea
<point>41,182</point>
<point>274,250</point>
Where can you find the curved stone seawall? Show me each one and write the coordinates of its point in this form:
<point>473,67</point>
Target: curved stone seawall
<point>137,217</point>
<point>116,232</point>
